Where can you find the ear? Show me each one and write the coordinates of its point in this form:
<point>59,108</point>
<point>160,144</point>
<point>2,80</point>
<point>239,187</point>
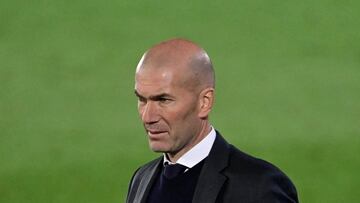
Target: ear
<point>206,101</point>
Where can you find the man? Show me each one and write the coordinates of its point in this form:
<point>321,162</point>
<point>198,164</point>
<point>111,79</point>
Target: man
<point>175,85</point>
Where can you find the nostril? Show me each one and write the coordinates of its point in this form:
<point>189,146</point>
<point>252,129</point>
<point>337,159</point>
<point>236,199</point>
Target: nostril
<point>150,123</point>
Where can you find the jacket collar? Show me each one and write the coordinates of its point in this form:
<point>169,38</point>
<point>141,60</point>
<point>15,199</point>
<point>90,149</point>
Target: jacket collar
<point>211,179</point>
<point>147,181</point>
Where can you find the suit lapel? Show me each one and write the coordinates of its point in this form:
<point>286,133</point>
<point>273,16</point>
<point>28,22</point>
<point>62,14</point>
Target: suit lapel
<point>211,179</point>
<point>146,183</point>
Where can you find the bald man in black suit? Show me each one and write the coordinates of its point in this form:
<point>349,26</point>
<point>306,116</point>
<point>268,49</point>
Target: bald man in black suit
<point>175,86</point>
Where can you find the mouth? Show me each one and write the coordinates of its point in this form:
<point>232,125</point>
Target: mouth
<point>155,134</point>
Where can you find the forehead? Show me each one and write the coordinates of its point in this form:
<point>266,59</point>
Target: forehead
<point>154,81</point>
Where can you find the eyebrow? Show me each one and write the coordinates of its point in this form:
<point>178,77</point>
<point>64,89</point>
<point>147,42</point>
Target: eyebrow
<point>153,97</point>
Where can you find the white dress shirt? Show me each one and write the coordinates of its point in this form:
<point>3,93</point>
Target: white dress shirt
<point>196,154</point>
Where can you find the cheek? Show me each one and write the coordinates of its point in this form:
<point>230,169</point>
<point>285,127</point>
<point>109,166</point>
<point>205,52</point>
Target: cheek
<point>183,124</point>
<point>181,115</point>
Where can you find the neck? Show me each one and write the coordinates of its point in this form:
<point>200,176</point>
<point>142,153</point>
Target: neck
<point>203,132</point>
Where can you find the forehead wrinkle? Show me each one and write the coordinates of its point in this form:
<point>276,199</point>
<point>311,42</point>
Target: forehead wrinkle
<point>146,84</point>
<point>153,75</point>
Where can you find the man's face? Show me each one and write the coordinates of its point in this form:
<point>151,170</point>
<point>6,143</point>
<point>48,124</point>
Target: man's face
<point>168,110</point>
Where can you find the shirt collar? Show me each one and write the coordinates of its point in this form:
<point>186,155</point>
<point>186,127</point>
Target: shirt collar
<point>196,154</point>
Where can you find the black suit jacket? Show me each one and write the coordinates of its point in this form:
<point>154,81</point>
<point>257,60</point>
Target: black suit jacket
<point>228,175</point>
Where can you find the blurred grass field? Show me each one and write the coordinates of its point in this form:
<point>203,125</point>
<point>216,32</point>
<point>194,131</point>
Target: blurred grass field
<point>288,91</point>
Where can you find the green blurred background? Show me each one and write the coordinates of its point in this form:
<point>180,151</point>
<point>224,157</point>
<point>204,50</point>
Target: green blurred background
<point>288,91</point>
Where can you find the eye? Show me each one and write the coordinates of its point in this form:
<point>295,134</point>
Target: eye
<point>164,100</point>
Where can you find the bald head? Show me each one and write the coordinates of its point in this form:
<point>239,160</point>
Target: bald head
<point>174,83</point>
<point>186,59</point>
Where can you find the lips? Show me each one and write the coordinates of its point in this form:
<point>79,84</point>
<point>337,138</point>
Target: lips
<point>155,131</point>
<point>154,134</point>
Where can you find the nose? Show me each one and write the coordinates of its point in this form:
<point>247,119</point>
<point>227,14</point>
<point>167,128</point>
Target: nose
<point>148,113</point>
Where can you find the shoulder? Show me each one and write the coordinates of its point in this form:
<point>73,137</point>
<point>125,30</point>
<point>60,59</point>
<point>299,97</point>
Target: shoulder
<point>249,164</point>
<point>237,161</point>
<point>240,164</point>
<point>261,178</point>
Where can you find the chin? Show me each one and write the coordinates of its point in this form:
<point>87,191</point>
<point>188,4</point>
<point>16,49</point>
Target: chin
<point>158,148</point>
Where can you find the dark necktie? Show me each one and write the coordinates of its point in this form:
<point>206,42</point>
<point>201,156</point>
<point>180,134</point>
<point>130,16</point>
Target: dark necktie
<point>173,170</point>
